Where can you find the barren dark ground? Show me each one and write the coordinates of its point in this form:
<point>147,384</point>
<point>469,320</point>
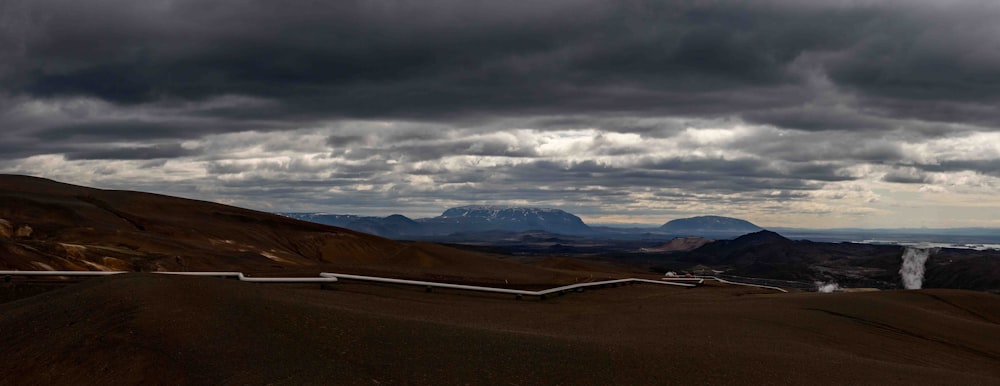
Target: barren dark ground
<point>152,329</point>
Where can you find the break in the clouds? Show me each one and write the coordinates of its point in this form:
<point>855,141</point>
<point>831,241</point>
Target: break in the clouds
<point>784,112</point>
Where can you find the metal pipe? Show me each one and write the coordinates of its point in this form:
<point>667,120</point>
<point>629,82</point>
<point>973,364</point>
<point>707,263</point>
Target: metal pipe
<point>542,294</point>
<point>61,273</point>
<point>724,281</point>
<point>245,278</point>
<point>683,279</point>
<point>427,284</point>
<point>238,275</point>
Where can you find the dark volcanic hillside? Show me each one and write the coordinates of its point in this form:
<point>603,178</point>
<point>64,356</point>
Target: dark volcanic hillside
<point>50,225</point>
<point>767,254</point>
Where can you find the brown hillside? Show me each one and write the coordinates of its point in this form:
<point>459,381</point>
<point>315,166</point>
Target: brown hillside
<point>65,227</point>
<point>680,244</point>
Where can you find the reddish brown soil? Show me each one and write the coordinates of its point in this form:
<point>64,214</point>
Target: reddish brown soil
<point>150,329</point>
<point>79,228</point>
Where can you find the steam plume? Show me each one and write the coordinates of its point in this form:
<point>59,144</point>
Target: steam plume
<point>912,270</point>
<point>827,287</point>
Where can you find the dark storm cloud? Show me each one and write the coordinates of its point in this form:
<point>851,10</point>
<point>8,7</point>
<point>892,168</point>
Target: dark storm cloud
<point>829,146</point>
<point>353,57</point>
<point>12,151</point>
<point>753,168</point>
<point>226,168</point>
<point>921,173</point>
<point>905,176</point>
<point>817,118</point>
<point>129,130</point>
<point>445,58</point>
<point>485,147</point>
<point>988,167</point>
<point>718,176</point>
<point>133,153</point>
<point>341,140</point>
<point>354,147</point>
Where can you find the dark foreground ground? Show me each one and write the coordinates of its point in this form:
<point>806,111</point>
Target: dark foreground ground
<point>147,329</point>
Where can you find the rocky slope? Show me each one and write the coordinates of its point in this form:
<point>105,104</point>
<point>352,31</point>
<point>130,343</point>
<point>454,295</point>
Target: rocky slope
<point>47,225</point>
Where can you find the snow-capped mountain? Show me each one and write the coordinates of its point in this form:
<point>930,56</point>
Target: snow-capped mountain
<point>517,219</point>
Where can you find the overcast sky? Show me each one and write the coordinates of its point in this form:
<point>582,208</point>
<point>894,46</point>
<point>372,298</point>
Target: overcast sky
<point>785,113</point>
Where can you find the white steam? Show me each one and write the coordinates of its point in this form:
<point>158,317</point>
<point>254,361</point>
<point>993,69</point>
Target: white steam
<point>827,287</point>
<point>912,270</point>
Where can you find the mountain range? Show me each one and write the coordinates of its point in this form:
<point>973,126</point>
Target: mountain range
<point>480,221</point>
<point>465,219</point>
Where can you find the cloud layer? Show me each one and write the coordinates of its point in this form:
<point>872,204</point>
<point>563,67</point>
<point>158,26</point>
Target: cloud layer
<point>843,113</point>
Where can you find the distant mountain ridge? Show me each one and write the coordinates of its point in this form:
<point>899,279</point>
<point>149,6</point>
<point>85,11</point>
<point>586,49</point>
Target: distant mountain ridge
<point>519,219</point>
<point>702,225</point>
<point>474,218</point>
